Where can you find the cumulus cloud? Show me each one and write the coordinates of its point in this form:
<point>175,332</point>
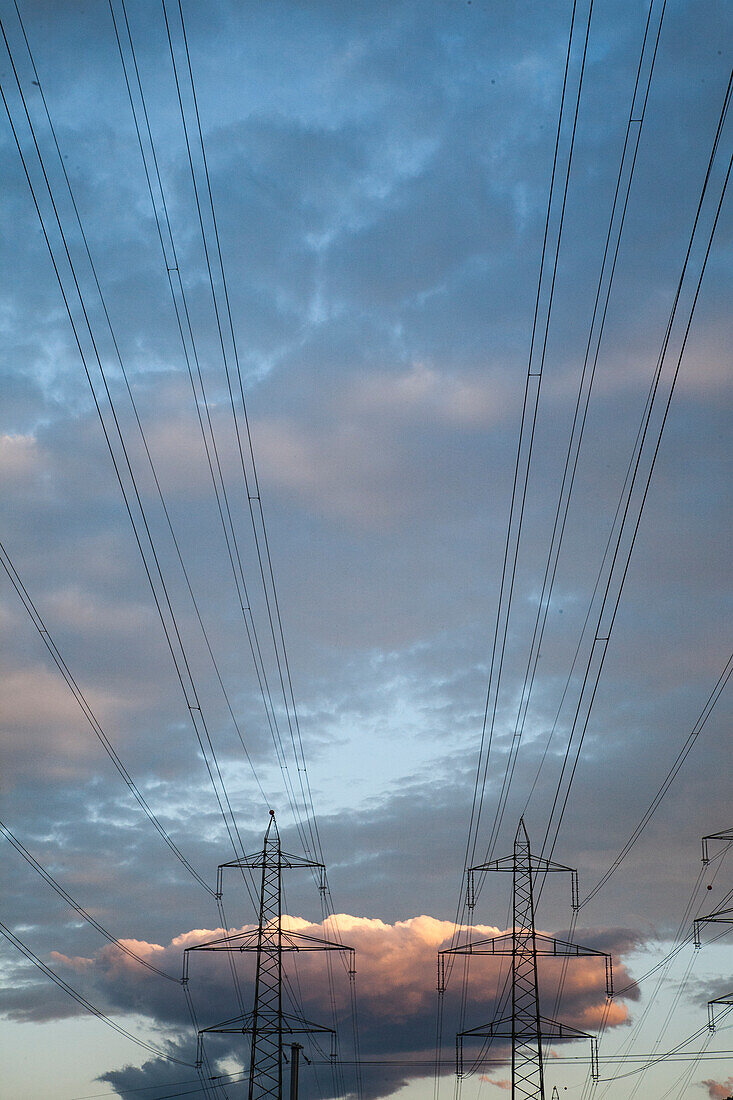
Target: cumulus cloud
<point>396,967</point>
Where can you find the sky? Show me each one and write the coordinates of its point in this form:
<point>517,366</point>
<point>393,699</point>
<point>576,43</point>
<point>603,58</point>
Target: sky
<point>379,174</point>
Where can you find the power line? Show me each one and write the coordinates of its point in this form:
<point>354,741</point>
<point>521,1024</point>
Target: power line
<point>162,601</point>
<point>679,942</point>
<point>609,605</point>
<point>142,537</point>
<point>81,1000</point>
<point>191,357</point>
<point>252,491</point>
<point>518,499</point>
<point>91,717</point>
<point>224,320</point>
<point>521,475</point>
<point>595,336</point>
<point>525,444</point>
<point>133,403</point>
<point>75,905</point>
<point>128,387</point>
<point>668,780</point>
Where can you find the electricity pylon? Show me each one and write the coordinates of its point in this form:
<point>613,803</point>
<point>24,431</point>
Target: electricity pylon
<point>268,1024</point>
<point>720,916</point>
<point>526,1028</point>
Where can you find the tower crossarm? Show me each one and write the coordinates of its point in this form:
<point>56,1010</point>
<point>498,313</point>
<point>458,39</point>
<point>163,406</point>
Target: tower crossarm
<point>726,999</point>
<point>250,941</point>
<point>533,865</point>
<point>244,1025</point>
<point>545,947</point>
<point>502,1029</point>
<point>288,862</point>
<point>549,1031</point>
<point>722,916</point>
<point>503,945</point>
<point>725,836</point>
<point>506,863</point>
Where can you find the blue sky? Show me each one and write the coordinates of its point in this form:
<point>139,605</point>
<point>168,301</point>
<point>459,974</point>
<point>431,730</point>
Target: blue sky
<point>380,175</point>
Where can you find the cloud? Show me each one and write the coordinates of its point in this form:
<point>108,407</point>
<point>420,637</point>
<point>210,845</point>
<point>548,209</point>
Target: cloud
<point>431,397</point>
<point>40,734</point>
<point>362,455</point>
<point>718,1090</point>
<point>396,966</point>
<point>18,459</point>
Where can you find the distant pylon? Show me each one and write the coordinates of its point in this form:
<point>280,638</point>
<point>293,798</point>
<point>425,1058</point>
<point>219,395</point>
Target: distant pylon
<point>268,1023</point>
<point>720,916</point>
<point>526,1028</point>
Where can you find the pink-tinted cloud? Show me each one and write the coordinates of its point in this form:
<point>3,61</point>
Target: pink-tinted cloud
<point>356,459</point>
<point>426,393</point>
<point>19,460</point>
<point>40,732</point>
<point>719,1090</point>
<point>396,978</point>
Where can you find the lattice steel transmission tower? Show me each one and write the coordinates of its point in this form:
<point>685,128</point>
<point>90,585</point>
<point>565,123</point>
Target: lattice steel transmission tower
<point>526,1027</point>
<point>268,1024</point>
<point>720,916</point>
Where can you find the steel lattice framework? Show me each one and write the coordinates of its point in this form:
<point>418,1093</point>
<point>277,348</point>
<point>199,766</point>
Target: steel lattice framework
<point>720,916</point>
<point>526,1028</point>
<point>268,1023</point>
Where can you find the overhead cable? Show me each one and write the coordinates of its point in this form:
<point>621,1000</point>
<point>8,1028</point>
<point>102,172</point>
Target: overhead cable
<point>84,913</point>
<point>619,563</point>
<point>617,219</point>
<point>131,494</point>
<point>91,717</point>
<point>81,1000</point>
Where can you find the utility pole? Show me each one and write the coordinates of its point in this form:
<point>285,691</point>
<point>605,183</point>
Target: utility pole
<point>296,1049</point>
<point>526,1028</point>
<point>268,1023</point>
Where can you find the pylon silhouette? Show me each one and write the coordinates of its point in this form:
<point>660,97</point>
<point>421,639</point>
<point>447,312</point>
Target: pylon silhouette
<point>526,1028</point>
<point>268,1023</point>
<point>720,916</point>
